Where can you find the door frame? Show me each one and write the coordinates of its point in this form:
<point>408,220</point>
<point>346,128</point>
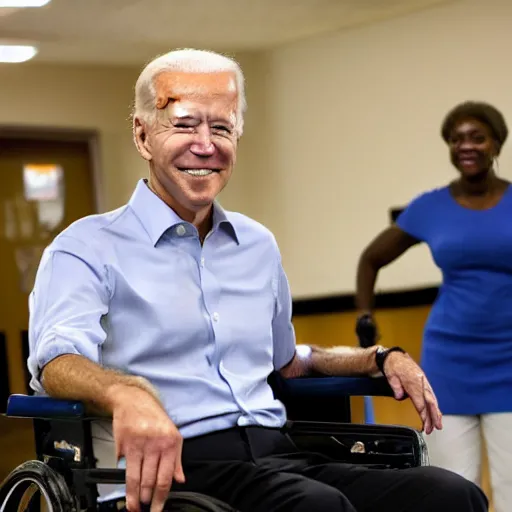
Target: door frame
<point>90,137</point>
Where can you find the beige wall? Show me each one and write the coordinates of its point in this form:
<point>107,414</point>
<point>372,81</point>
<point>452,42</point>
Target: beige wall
<point>339,128</point>
<point>355,119</point>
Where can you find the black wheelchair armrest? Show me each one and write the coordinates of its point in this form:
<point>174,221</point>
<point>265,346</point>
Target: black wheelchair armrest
<point>334,387</point>
<point>324,399</point>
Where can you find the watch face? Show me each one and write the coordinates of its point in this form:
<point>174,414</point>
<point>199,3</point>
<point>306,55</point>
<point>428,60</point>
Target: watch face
<point>380,357</point>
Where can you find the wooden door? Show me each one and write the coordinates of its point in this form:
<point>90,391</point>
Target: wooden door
<point>44,186</point>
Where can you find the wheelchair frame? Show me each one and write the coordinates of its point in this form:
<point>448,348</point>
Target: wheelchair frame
<point>318,409</point>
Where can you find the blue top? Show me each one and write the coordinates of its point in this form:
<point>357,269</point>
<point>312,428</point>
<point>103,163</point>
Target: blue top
<point>134,289</point>
<point>467,345</point>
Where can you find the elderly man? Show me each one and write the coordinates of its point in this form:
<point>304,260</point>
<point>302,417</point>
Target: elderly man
<point>168,315</point>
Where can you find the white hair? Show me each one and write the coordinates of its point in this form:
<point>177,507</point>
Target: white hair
<point>186,61</point>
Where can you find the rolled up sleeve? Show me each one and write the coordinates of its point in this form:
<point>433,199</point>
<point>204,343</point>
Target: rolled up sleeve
<point>67,305</point>
<point>282,328</point>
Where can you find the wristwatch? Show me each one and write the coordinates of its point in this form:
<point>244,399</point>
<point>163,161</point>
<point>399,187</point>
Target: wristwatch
<point>382,353</point>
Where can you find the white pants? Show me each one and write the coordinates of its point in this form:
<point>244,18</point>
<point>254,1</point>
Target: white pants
<point>458,447</point>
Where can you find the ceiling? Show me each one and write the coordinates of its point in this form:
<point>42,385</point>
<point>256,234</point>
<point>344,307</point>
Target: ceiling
<point>131,31</point>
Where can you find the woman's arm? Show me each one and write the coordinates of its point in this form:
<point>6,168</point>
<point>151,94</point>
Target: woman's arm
<point>388,246</point>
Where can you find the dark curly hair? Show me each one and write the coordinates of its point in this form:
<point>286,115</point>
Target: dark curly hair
<point>483,112</point>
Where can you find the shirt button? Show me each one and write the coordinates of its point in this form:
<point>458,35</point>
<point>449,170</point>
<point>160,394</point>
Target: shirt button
<point>181,230</point>
<point>202,262</point>
<point>215,317</point>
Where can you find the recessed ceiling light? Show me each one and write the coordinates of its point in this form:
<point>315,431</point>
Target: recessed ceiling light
<point>23,3</point>
<point>13,53</point>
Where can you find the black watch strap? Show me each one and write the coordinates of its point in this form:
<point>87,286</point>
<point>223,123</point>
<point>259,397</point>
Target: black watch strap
<point>382,354</point>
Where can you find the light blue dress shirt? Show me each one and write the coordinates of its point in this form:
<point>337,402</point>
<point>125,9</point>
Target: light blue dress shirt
<point>135,290</point>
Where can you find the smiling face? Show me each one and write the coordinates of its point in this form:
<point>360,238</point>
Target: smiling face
<point>192,144</point>
<point>472,148</point>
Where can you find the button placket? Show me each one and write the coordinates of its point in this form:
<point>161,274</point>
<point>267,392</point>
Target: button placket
<point>211,290</point>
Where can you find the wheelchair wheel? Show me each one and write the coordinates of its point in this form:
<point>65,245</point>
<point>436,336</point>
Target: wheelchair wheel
<point>30,484</point>
<point>192,502</point>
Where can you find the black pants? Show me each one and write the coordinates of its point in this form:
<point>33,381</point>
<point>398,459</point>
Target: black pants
<point>261,470</point>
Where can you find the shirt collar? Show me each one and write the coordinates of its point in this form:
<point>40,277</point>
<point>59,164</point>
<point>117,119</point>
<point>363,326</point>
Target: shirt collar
<point>156,217</point>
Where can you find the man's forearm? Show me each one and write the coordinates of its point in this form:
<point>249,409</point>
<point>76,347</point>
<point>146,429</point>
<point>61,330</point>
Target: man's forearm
<point>335,361</point>
<point>74,377</point>
<point>343,361</point>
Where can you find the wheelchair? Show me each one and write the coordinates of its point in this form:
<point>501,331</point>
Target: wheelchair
<point>64,475</point>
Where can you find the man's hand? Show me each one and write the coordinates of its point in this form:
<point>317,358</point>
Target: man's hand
<point>151,444</point>
<point>406,377</point>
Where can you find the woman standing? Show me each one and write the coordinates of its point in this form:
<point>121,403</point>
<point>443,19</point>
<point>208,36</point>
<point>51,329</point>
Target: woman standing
<point>467,345</point>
